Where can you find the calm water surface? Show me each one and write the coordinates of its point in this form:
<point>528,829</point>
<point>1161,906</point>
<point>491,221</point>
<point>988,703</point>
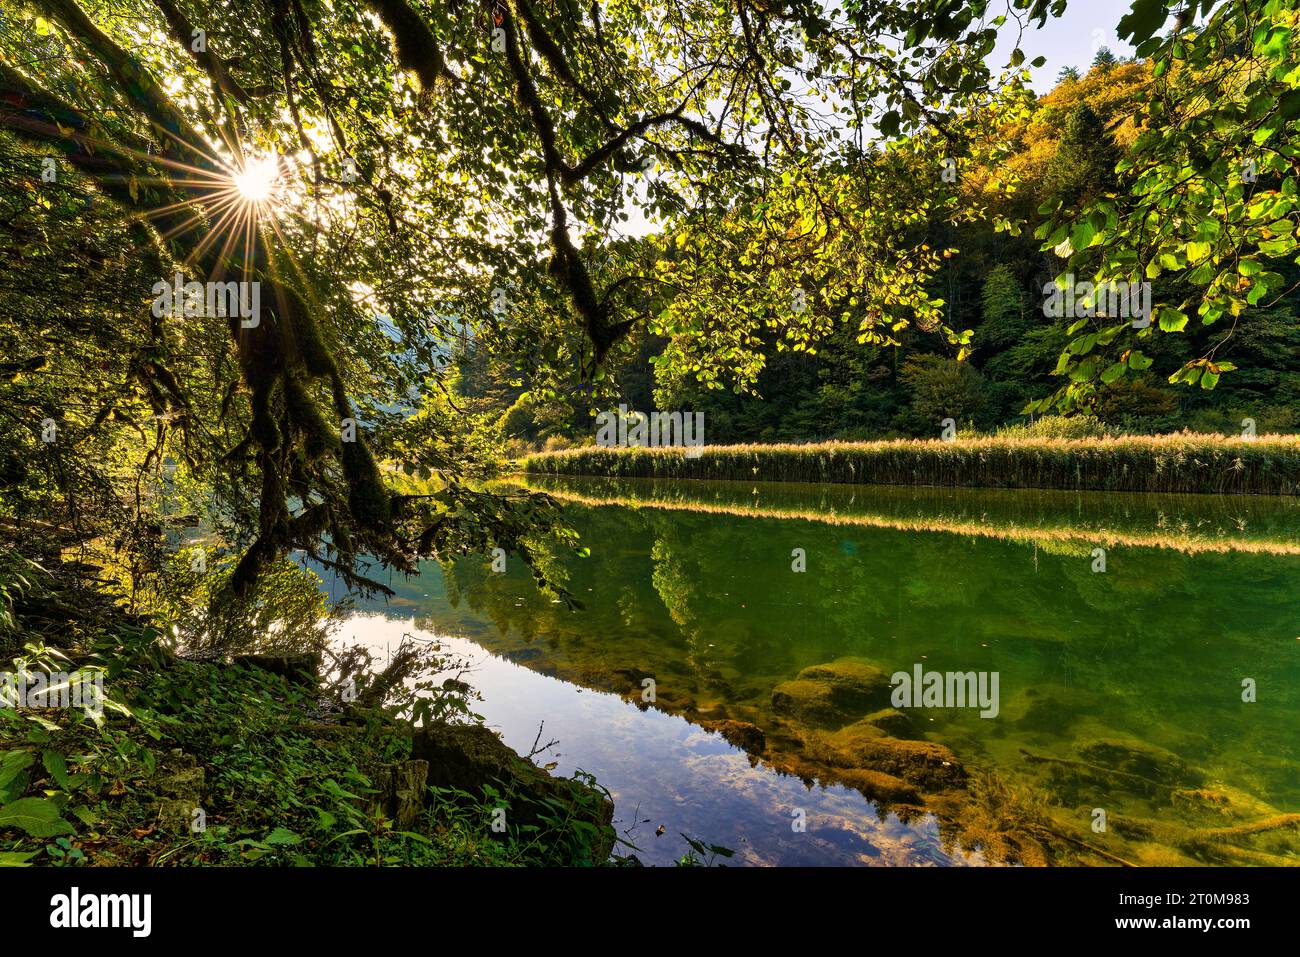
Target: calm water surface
<point>1119,690</point>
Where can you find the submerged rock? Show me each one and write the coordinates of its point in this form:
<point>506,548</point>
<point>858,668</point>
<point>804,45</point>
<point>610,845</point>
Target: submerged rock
<point>926,764</point>
<point>808,701</point>
<point>893,722</point>
<point>879,786</point>
<point>1031,710</point>
<point>1139,759</point>
<point>833,694</point>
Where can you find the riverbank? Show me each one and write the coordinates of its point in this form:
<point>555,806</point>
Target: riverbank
<point>255,759</point>
<point>1178,463</point>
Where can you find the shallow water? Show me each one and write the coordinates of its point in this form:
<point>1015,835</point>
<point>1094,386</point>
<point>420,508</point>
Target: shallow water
<point>1119,691</point>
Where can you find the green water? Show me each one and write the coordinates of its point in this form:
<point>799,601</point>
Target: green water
<point>1120,691</point>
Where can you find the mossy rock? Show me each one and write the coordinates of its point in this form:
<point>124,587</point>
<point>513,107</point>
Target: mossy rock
<point>834,693</point>
<point>852,678</point>
<point>1034,711</point>
<point>179,783</point>
<point>926,764</point>
<point>878,786</point>
<point>811,702</point>
<point>891,721</point>
<point>467,757</point>
<point>401,791</point>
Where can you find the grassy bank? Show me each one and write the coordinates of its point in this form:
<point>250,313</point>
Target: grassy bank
<point>1265,465</point>
<point>252,761</point>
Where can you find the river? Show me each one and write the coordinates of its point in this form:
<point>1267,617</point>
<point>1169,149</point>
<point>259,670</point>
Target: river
<point>1146,652</point>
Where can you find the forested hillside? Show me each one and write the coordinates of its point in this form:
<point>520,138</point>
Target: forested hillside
<point>1065,147</point>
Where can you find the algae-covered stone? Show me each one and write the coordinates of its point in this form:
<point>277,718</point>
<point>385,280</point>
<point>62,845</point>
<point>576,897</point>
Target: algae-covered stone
<point>809,701</point>
<point>893,722</point>
<point>833,693</point>
<point>1031,710</point>
<point>1139,759</point>
<point>879,786</point>
<point>924,763</point>
<point>855,680</point>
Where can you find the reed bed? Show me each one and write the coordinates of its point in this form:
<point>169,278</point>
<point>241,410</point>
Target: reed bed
<point>1183,462</point>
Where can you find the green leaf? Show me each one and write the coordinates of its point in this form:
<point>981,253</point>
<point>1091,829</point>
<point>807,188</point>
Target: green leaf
<point>57,766</point>
<point>1085,370</point>
<point>282,835</point>
<point>39,817</point>
<point>13,763</point>
<point>1081,236</point>
<point>1142,21</point>
<point>1275,44</point>
<point>1172,320</point>
<point>13,777</point>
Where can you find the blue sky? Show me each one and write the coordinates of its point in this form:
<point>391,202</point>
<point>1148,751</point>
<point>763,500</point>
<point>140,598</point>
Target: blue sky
<point>1069,40</point>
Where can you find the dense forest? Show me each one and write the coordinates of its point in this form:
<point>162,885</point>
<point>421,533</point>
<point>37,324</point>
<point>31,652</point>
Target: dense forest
<point>1064,146</point>
<point>287,286</point>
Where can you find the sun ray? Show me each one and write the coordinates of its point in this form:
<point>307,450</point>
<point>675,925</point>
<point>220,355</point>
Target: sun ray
<point>203,211</point>
<point>214,233</point>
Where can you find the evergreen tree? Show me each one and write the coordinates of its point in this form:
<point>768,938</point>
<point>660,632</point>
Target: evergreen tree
<point>1084,165</point>
<point>1003,311</point>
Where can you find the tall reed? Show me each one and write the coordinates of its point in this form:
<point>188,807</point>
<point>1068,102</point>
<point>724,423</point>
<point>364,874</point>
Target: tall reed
<point>1182,462</point>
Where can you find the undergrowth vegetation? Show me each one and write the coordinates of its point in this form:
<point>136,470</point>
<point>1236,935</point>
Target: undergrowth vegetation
<point>210,762</point>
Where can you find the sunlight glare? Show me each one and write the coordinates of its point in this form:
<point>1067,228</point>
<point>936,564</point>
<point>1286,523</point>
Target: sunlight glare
<point>256,182</point>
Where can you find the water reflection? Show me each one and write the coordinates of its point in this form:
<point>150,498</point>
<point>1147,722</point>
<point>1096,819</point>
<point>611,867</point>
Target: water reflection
<point>1120,690</point>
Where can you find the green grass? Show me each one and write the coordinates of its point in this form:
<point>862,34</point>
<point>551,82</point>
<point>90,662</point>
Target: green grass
<point>1186,462</point>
